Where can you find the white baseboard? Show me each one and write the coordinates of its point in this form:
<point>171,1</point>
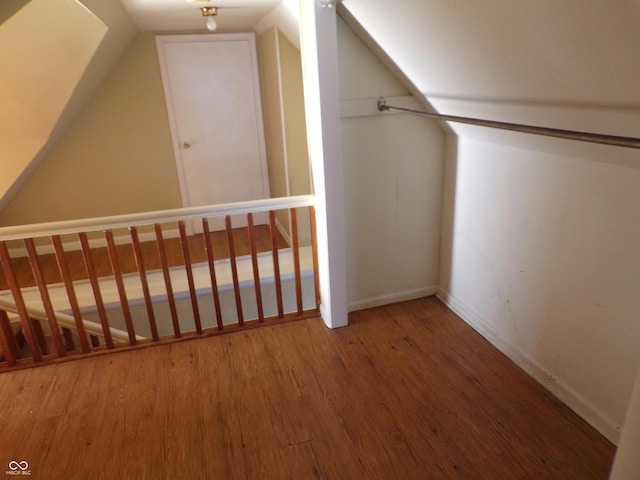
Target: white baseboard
<point>568,396</point>
<point>394,297</point>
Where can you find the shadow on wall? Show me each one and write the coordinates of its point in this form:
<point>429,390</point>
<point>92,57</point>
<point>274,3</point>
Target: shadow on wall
<point>8,9</point>
<point>37,92</point>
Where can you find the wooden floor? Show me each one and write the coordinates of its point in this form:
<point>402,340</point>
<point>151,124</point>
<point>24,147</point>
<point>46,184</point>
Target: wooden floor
<point>405,392</point>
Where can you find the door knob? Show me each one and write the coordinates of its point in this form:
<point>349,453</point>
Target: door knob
<point>186,144</point>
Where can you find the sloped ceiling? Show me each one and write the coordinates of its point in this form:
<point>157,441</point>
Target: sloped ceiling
<point>570,64</point>
<point>63,57</point>
<point>40,76</point>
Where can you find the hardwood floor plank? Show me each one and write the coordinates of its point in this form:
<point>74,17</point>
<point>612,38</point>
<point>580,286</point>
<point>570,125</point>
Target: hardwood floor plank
<point>405,391</point>
<point>251,428</point>
<point>408,409</point>
<point>282,390</point>
<point>300,462</point>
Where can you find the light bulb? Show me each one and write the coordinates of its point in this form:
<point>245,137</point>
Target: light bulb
<point>211,23</point>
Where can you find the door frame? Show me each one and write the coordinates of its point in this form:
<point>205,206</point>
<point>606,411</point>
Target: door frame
<point>161,41</point>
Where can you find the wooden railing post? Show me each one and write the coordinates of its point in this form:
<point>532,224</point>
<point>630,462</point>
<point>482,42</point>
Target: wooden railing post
<point>10,350</point>
<point>25,321</point>
<point>212,272</point>
<point>167,280</point>
<point>93,278</point>
<point>234,269</point>
<point>254,264</point>
<point>245,265</point>
<point>273,229</point>
<point>184,242</point>
<point>117,275</point>
<point>295,246</point>
<point>46,300</point>
<point>314,253</point>
<point>71,294</point>
<point>137,253</point>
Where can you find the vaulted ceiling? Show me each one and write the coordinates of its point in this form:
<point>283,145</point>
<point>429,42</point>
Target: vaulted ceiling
<point>581,51</point>
<point>570,64</point>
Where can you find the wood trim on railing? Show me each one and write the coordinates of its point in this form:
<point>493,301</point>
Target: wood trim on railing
<point>295,247</point>
<point>164,265</point>
<point>314,249</point>
<point>71,294</point>
<point>234,268</point>
<point>69,343</point>
<point>93,279</point>
<point>65,321</point>
<point>273,230</point>
<point>43,303</point>
<point>40,338</point>
<point>137,254</point>
<point>254,265</point>
<point>21,308</point>
<point>10,350</point>
<point>44,295</point>
<point>113,222</point>
<point>184,242</point>
<point>112,252</point>
<point>212,272</point>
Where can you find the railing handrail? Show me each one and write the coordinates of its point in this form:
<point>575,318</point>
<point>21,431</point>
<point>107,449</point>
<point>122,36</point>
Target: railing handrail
<point>67,321</point>
<point>265,233</point>
<point>46,229</point>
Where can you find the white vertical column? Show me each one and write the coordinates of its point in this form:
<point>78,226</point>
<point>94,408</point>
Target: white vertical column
<point>627,462</point>
<point>322,103</point>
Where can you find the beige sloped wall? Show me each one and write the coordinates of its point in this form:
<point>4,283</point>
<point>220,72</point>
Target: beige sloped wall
<point>117,156</point>
<point>39,77</point>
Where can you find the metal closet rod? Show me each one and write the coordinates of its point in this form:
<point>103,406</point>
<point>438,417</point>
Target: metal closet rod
<point>628,142</point>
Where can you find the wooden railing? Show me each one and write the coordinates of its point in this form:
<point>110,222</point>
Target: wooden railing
<point>77,288</point>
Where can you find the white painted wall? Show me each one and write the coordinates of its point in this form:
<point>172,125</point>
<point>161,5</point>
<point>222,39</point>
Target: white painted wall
<point>541,254</point>
<point>393,168</point>
<point>626,465</point>
<point>541,238</point>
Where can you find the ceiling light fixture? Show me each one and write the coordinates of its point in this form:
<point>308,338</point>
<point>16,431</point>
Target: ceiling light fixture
<point>210,13</point>
<point>329,3</point>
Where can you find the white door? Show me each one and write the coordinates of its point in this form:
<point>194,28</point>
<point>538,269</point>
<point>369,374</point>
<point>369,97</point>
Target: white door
<point>213,99</point>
